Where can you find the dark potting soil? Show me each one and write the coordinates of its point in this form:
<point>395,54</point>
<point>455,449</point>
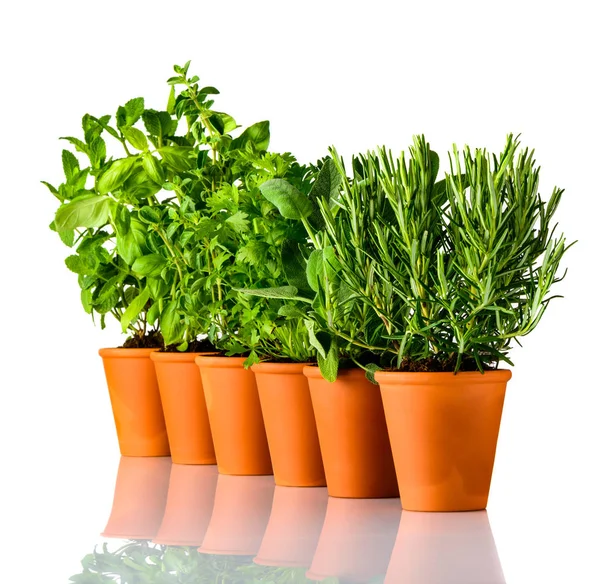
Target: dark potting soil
<point>151,340</point>
<point>196,346</point>
<point>436,365</point>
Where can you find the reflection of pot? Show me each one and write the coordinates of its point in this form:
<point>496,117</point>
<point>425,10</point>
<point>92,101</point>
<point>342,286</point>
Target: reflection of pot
<point>445,548</point>
<point>140,497</point>
<point>357,539</point>
<point>294,527</point>
<point>240,515</point>
<point>189,505</point>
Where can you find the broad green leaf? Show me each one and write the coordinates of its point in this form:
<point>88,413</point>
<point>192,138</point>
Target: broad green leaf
<point>152,122</point>
<point>312,337</point>
<point>153,313</point>
<point>86,300</point>
<point>75,264</point>
<point>149,265</point>
<point>171,326</point>
<point>290,311</point>
<point>171,101</point>
<point>130,243</point>
<point>179,158</point>
<point>80,146</point>
<point>328,183</point>
<point>291,203</point>
<point>259,134</point>
<point>322,267</point>
<point>371,369</point>
<point>238,221</point>
<point>134,309</point>
<point>157,286</point>
<point>209,91</point>
<point>97,152</point>
<point>67,236</point>
<point>150,214</point>
<point>134,109</point>
<point>70,164</point>
<point>116,174</point>
<point>153,168</point>
<point>229,124</point>
<point>136,138</point>
<point>289,292</point>
<point>330,364</point>
<point>294,265</point>
<point>87,211</point>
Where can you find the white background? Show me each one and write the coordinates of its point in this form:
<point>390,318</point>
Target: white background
<point>356,76</point>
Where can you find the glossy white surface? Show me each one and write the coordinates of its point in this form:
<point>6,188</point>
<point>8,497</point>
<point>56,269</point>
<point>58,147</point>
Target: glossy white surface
<point>353,74</point>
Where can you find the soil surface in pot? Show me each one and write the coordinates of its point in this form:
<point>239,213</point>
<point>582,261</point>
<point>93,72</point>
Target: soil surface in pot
<point>436,365</point>
<point>196,346</point>
<point>151,340</point>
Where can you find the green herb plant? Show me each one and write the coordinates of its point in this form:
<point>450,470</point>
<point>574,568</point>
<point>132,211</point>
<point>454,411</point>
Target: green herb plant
<point>462,266</point>
<point>224,235</point>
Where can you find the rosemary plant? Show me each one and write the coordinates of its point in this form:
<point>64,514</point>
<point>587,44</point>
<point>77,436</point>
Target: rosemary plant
<point>457,268</point>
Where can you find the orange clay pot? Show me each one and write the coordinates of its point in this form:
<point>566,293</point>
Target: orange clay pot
<point>135,401</point>
<point>357,540</point>
<point>189,505</point>
<point>184,408</point>
<point>294,527</point>
<point>240,515</point>
<point>290,424</point>
<point>235,416</point>
<point>140,498</point>
<point>457,548</point>
<point>443,429</point>
<point>353,435</point>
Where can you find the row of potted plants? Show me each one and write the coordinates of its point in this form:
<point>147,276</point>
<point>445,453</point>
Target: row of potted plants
<point>290,292</point>
<point>189,521</point>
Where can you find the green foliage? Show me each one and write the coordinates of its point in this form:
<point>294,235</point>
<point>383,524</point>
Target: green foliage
<point>454,270</point>
<point>140,562</point>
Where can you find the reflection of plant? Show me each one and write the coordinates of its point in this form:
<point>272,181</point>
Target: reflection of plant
<point>142,562</point>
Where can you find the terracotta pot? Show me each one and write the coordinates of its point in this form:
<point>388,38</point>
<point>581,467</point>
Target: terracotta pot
<point>443,429</point>
<point>184,408</point>
<point>240,515</point>
<point>135,401</point>
<point>353,435</point>
<point>235,416</point>
<point>446,548</point>
<point>189,505</point>
<point>357,540</point>
<point>139,499</point>
<point>294,527</point>
<point>290,424</point>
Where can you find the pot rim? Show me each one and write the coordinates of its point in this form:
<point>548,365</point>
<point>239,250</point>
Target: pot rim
<point>122,353</point>
<point>174,541</point>
<point>278,563</point>
<point>225,552</point>
<point>267,367</point>
<point>171,357</point>
<point>313,372</point>
<point>220,362</point>
<point>439,377</point>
